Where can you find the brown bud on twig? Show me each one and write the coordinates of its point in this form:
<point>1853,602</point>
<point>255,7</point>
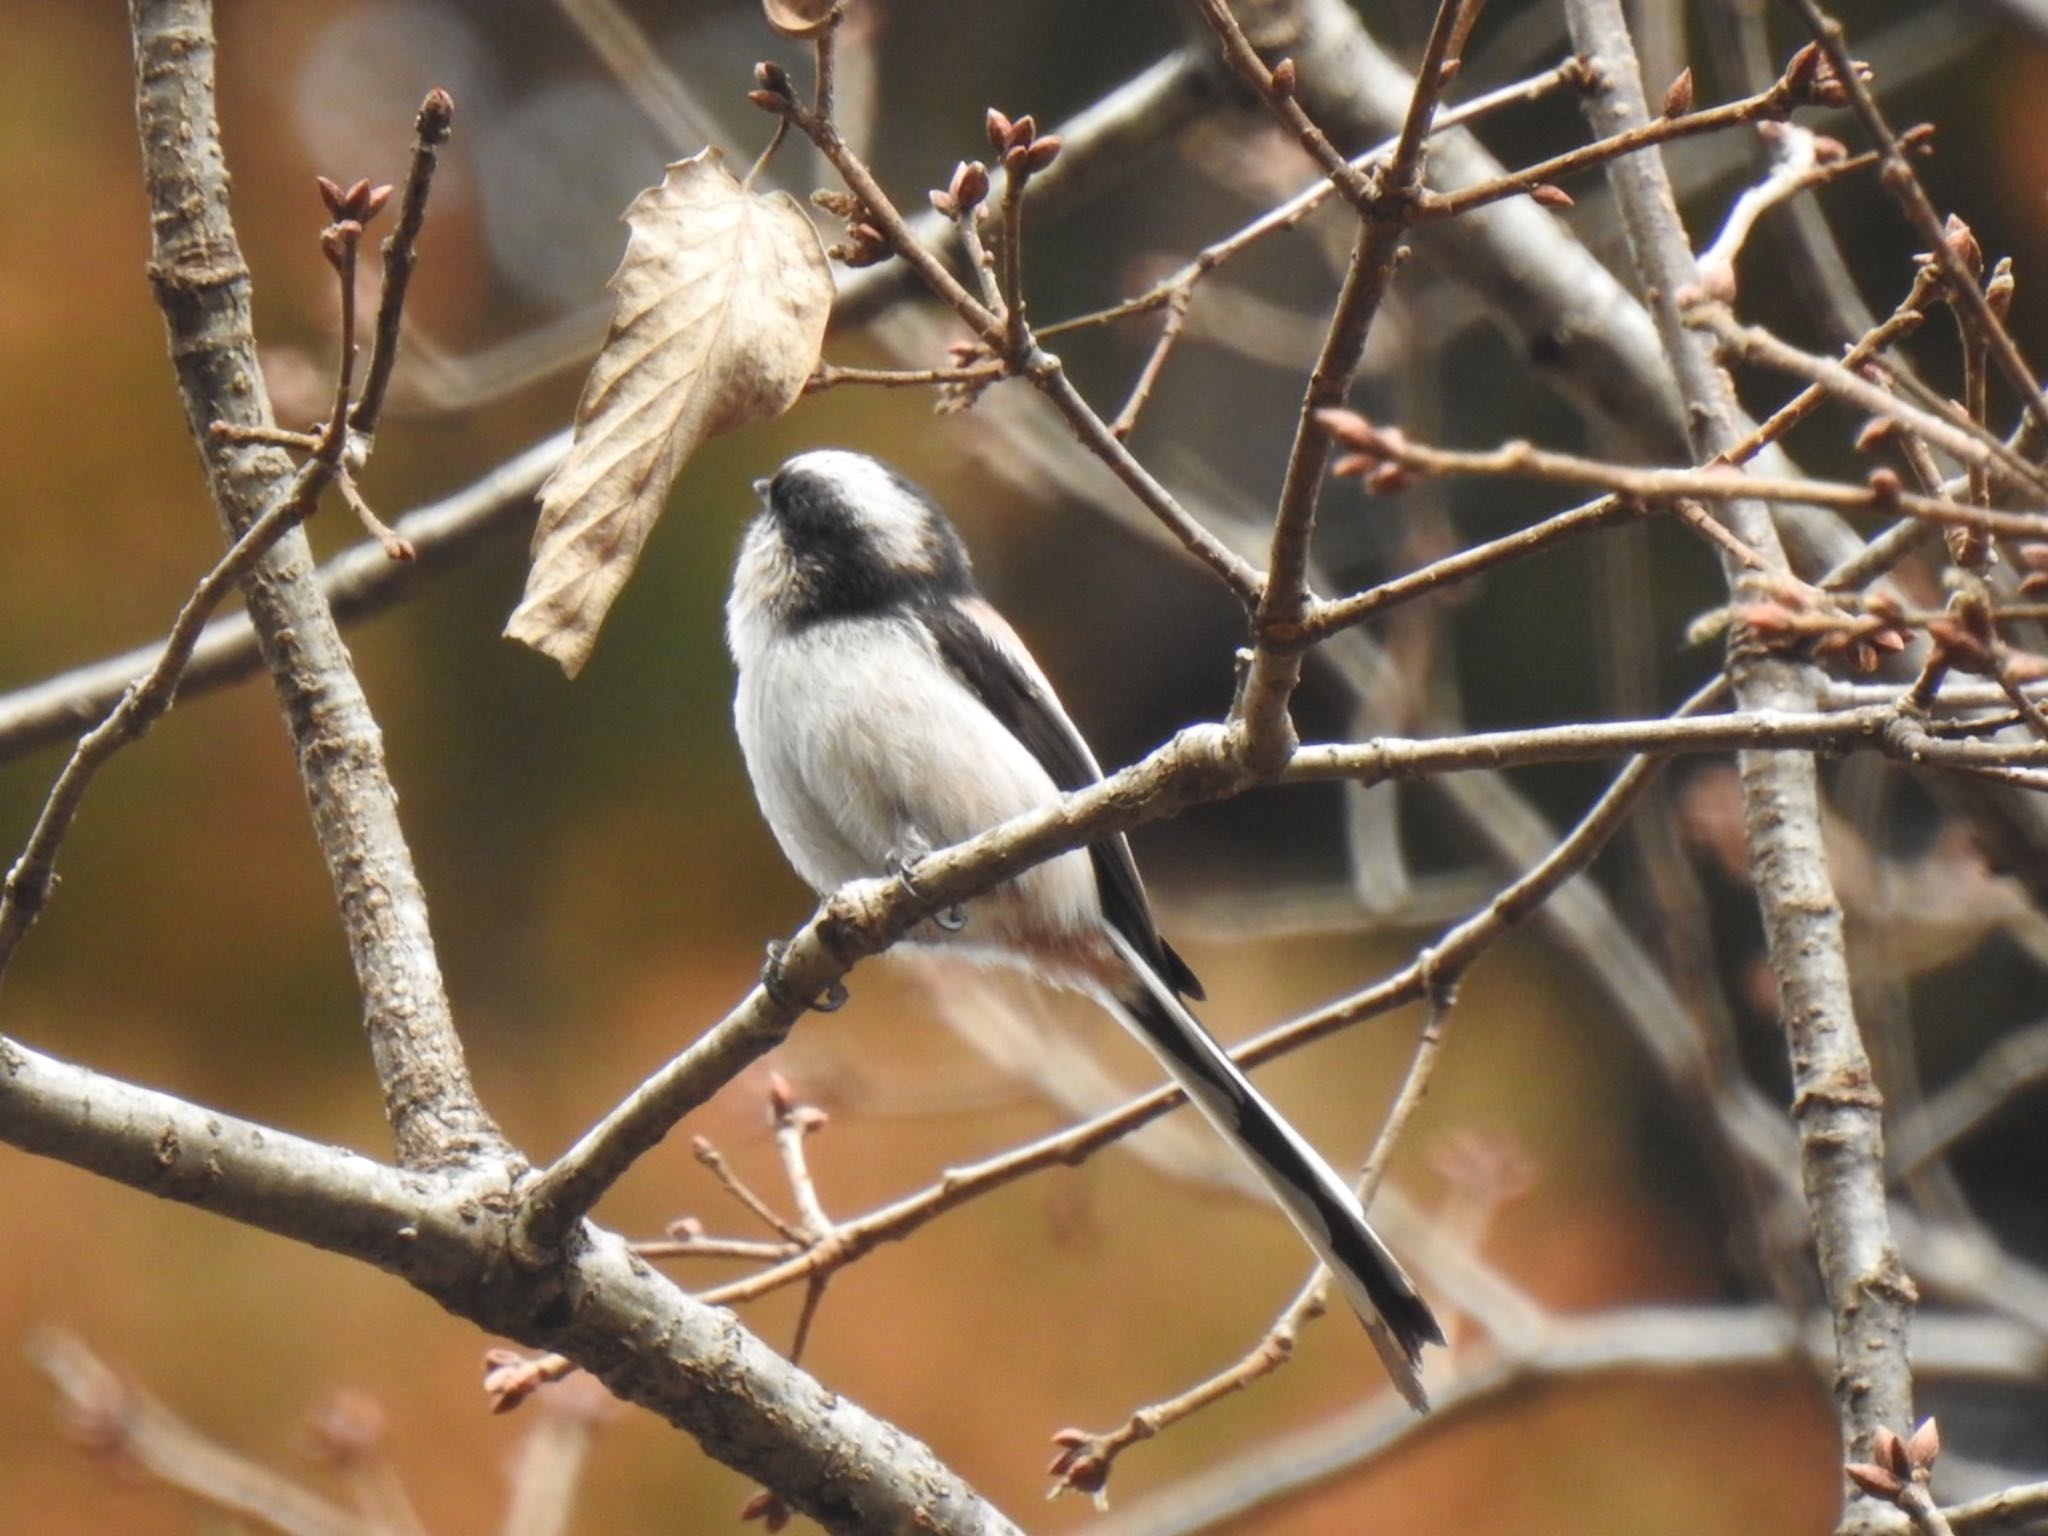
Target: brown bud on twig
<point>1022,131</point>
<point>767,1507</point>
<point>1040,153</point>
<point>1284,78</point>
<point>1678,99</point>
<point>436,116</point>
<point>1961,241</point>
<point>1885,487</point>
<point>1998,292</point>
<point>334,196</point>
<point>1877,432</point>
<point>998,130</point>
<point>1924,1448</point>
<point>685,1229</point>
<point>773,80</point>
<point>1550,195</point>
<point>1800,70</point>
<point>1078,1464</point>
<point>864,246</point>
<point>781,1097</point>
<point>969,185</point>
<point>1878,1482</point>
<point>1890,1451</point>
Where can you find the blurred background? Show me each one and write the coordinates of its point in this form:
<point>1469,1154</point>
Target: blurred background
<point>602,887</point>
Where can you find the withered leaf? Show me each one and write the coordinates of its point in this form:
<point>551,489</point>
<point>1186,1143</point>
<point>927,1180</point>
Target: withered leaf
<point>719,317</point>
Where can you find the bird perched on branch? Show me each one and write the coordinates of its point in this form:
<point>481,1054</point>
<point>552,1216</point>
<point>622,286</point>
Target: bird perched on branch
<point>885,710</point>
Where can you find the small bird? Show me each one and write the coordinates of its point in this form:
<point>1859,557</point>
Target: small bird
<point>885,709</point>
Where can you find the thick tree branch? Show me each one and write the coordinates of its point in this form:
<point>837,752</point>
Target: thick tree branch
<point>1835,1103</point>
<point>202,286</point>
<point>448,1232</point>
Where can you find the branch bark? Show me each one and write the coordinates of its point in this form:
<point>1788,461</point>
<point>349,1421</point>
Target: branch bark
<point>202,285</point>
<point>1835,1102</point>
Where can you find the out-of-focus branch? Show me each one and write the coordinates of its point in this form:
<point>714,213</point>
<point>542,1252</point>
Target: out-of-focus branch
<point>117,1419</point>
<point>1834,1103</point>
<point>358,582</point>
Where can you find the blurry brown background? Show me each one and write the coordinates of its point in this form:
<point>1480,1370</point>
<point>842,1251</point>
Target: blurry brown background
<point>601,884</point>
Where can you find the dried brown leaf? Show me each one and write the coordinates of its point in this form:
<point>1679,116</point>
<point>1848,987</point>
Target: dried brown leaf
<point>719,317</point>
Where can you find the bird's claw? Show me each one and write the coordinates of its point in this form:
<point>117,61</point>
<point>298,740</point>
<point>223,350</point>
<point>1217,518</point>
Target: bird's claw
<point>830,1001</point>
<point>954,918</point>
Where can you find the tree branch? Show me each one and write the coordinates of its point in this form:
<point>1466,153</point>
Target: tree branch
<point>202,286</point>
<point>1834,1101</point>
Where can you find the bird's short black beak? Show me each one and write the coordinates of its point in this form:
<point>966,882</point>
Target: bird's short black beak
<point>761,489</point>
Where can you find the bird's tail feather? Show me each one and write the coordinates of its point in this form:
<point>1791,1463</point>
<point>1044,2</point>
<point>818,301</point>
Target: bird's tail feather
<point>1321,1206</point>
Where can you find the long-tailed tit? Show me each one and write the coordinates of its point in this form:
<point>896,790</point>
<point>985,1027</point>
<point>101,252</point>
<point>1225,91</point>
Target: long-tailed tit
<point>885,710</point>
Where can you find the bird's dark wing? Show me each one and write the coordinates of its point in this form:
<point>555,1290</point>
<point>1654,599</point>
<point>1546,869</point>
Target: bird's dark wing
<point>977,644</point>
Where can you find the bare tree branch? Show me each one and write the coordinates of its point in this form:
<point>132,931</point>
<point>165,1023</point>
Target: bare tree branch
<point>202,286</point>
<point>1834,1103</point>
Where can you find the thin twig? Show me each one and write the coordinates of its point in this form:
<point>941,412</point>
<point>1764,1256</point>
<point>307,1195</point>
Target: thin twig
<point>1714,482</point>
<point>1261,711</point>
<point>430,131</point>
<point>1903,182</point>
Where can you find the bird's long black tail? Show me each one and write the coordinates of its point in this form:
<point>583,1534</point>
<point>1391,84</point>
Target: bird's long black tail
<point>1316,1200</point>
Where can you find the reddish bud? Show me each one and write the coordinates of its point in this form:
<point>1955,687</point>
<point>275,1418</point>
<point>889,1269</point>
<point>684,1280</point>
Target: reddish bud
<point>1889,1451</point>
<point>332,194</point>
<point>781,1097</point>
<point>1875,1480</point>
<point>1885,486</point>
<point>1877,432</point>
<point>1284,78</point>
<point>436,115</point>
<point>1800,70</point>
<point>767,1507</point>
<point>774,79</point>
<point>1551,195</point>
<point>1678,99</point>
<point>998,130</point>
<point>1347,427</point>
<point>969,185</point>
<point>1022,131</point>
<point>1041,153</point>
